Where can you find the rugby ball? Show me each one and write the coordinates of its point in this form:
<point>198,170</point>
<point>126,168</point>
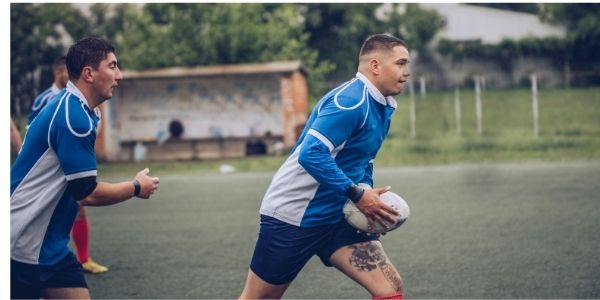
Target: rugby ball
<point>359,221</point>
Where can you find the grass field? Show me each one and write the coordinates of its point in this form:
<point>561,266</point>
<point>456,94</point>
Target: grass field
<point>569,123</point>
<point>510,230</point>
<point>501,215</point>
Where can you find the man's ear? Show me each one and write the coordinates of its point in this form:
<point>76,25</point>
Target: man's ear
<point>87,74</point>
<point>374,66</point>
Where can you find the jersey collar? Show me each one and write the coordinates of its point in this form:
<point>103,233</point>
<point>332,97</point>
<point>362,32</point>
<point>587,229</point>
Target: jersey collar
<point>72,88</point>
<point>54,88</point>
<point>375,93</point>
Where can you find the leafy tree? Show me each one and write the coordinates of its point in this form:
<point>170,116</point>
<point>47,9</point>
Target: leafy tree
<point>108,20</point>
<point>323,36</point>
<point>415,25</point>
<point>36,40</point>
<point>157,35</point>
<point>583,28</point>
<point>163,35</point>
<point>583,35</point>
<point>337,31</point>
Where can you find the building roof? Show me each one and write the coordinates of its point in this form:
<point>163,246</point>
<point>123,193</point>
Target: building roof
<point>489,25</point>
<point>271,67</point>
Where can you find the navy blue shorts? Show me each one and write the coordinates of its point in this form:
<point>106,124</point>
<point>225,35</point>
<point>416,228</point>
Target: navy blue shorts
<point>282,249</point>
<point>27,281</point>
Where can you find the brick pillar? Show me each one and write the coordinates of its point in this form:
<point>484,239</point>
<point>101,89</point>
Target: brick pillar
<point>294,95</point>
<point>101,137</point>
<point>300,96</point>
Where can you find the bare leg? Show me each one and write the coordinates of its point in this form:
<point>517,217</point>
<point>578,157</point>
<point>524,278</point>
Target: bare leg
<point>66,293</point>
<point>367,264</point>
<point>256,288</point>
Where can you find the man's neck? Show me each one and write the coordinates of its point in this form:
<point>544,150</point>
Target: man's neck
<point>60,85</point>
<point>86,92</point>
<point>365,72</point>
<point>375,92</point>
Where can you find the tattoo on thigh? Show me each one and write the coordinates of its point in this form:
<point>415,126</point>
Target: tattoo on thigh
<point>368,256</point>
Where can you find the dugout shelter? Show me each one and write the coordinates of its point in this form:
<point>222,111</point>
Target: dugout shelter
<point>209,112</point>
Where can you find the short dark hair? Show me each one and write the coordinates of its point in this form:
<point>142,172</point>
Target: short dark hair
<point>380,41</point>
<point>59,62</point>
<point>89,51</point>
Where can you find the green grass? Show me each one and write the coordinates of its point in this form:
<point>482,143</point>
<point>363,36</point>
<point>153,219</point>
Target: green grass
<point>482,231</point>
<point>259,163</point>
<point>569,130</point>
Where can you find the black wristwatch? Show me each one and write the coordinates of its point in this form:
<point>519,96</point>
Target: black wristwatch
<point>136,188</point>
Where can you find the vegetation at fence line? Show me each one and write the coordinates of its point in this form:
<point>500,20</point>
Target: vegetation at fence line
<point>569,130</point>
<point>578,50</point>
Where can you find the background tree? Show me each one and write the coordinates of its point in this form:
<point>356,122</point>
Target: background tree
<point>166,35</point>
<point>337,31</point>
<point>325,37</point>
<point>415,25</point>
<point>39,33</point>
<point>583,28</point>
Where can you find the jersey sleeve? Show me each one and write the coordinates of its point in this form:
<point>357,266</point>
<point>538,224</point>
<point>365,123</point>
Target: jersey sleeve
<point>338,118</point>
<point>368,177</point>
<point>315,157</point>
<point>336,121</point>
<point>73,138</point>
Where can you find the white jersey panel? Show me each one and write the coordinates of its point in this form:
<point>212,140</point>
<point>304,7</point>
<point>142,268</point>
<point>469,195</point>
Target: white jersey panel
<point>44,186</point>
<point>292,188</point>
<point>291,182</point>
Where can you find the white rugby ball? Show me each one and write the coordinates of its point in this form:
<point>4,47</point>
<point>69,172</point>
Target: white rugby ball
<point>359,221</point>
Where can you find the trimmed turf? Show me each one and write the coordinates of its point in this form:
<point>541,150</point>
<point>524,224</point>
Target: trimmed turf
<point>512,230</point>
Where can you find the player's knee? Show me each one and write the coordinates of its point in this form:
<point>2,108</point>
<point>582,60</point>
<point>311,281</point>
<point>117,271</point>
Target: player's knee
<point>263,294</point>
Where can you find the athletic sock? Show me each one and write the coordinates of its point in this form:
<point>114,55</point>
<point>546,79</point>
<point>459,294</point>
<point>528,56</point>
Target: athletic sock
<point>81,238</point>
<point>397,296</point>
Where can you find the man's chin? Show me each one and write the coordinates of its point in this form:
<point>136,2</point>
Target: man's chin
<point>397,92</point>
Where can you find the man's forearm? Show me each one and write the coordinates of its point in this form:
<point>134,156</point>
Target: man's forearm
<point>109,194</point>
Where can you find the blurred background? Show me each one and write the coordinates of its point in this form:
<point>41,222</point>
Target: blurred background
<point>495,143</point>
<point>504,81</point>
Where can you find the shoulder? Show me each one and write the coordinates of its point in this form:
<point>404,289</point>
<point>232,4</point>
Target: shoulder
<point>45,93</point>
<point>40,100</point>
<point>74,115</point>
<point>351,95</point>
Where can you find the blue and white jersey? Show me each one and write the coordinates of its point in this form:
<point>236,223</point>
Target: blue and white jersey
<point>58,147</point>
<point>40,102</point>
<point>336,149</point>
